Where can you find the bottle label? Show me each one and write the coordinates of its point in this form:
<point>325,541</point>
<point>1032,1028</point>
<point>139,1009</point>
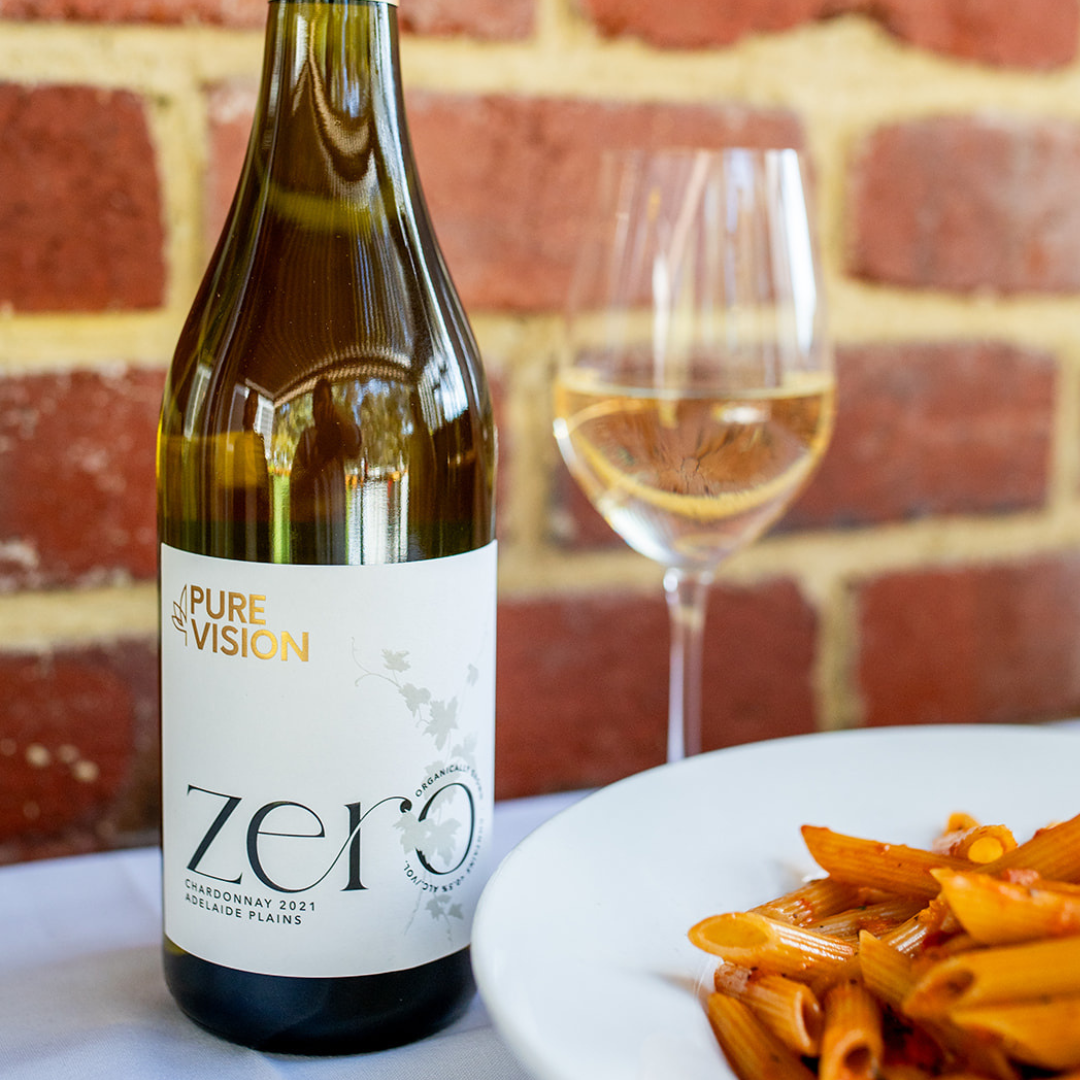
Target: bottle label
<point>327,760</point>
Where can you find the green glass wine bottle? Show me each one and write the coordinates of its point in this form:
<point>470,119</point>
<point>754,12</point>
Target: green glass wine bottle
<point>326,459</point>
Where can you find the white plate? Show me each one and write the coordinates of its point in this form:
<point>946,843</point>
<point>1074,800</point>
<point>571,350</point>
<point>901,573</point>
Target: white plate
<point>580,944</point>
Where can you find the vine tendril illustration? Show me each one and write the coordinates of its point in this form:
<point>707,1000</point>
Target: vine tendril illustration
<point>438,832</point>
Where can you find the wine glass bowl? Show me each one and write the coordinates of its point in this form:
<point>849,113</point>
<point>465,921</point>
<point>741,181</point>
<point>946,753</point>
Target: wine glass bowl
<point>694,394</point>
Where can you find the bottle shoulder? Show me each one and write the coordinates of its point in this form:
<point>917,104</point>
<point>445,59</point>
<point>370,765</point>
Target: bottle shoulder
<point>284,304</point>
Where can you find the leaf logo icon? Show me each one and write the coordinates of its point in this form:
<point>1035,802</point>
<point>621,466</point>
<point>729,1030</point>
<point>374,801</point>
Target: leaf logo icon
<point>179,616</point>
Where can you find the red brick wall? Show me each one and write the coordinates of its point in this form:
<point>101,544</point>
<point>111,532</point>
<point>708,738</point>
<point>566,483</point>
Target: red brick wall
<point>929,572</point>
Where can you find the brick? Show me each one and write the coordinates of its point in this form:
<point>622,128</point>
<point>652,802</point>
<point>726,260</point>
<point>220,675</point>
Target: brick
<point>583,682</point>
<point>77,470</point>
<point>230,107</point>
<point>238,14</point>
<point>964,203</point>
<point>694,24</point>
<point>509,179</point>
<point>80,207</point>
<point>78,750</point>
<point>945,428</point>
<point>483,19</point>
<point>1036,35</point>
<point>967,644</point>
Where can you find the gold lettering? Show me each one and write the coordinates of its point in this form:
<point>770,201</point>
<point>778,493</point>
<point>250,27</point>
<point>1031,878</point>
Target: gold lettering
<point>301,650</point>
<point>236,606</point>
<point>228,636</point>
<point>232,637</point>
<point>271,652</point>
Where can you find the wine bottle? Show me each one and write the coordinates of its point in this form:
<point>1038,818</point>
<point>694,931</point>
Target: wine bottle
<point>326,457</point>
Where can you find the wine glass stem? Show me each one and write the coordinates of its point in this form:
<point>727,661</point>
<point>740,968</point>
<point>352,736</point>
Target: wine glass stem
<point>686,593</point>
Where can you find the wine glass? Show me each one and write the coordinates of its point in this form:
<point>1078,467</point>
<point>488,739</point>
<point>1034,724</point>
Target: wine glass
<point>695,392</point>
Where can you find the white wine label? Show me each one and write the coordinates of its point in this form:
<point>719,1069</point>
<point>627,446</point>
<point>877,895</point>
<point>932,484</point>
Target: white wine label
<point>327,760</point>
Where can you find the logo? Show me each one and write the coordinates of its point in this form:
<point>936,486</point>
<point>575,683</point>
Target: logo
<point>179,613</point>
<point>233,624</point>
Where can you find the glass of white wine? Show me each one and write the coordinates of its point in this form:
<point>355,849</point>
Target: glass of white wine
<point>695,389</point>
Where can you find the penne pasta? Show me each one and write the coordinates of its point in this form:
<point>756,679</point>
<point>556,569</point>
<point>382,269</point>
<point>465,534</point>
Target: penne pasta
<point>904,1071</point>
<point>755,941</point>
<point>1045,1034</point>
<point>877,918</point>
<point>1007,973</point>
<point>852,1045</point>
<point>892,868</point>
<point>958,821</point>
<point>932,921</point>
<point>958,963</point>
<point>889,975</point>
<point>825,977</point>
<point>790,1009</point>
<point>754,1052</point>
<point>886,972</point>
<point>997,912</point>
<point>1054,852</point>
<point>977,843</point>
<point>812,902</point>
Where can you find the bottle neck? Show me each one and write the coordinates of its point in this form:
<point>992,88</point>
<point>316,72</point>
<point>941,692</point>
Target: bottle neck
<point>330,119</point>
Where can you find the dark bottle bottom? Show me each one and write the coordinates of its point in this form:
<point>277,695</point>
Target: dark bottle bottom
<point>289,1015</point>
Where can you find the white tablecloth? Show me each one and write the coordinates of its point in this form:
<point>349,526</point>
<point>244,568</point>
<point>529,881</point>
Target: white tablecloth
<point>82,995</point>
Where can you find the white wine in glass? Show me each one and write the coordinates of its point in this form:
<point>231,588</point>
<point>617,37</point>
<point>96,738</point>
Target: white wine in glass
<point>695,391</point>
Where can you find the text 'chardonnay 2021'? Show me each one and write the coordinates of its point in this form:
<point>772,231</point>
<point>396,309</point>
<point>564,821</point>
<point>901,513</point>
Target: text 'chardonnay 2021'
<point>326,459</point>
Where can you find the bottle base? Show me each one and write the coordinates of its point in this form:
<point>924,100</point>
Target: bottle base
<point>320,1017</point>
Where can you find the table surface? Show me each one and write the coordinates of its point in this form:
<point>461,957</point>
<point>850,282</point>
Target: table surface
<point>82,994</point>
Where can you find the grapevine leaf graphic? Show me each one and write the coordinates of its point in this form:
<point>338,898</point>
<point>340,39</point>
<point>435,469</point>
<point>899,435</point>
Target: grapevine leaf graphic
<point>443,721</point>
<point>436,905</point>
<point>415,697</point>
<point>434,838</point>
<point>441,838</point>
<point>414,833</point>
<point>465,750</point>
